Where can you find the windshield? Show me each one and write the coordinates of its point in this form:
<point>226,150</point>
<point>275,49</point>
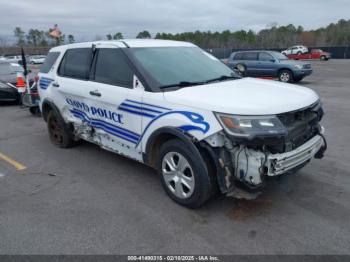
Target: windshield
<point>16,68</point>
<point>280,56</point>
<point>174,66</point>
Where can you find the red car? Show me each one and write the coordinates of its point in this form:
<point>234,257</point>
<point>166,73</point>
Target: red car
<point>314,54</point>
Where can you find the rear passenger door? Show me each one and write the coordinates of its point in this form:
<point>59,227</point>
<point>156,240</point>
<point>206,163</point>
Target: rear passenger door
<point>251,62</point>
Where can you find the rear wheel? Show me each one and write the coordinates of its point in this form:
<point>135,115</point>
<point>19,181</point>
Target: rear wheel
<point>185,176</point>
<point>323,58</point>
<point>59,135</point>
<point>285,76</point>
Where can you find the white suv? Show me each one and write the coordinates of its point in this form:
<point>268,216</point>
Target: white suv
<point>295,50</point>
<point>180,110</point>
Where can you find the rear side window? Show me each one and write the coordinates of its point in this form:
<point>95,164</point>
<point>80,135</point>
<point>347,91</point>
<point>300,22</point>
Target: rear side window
<point>112,68</point>
<point>76,63</point>
<point>250,56</point>
<point>49,61</point>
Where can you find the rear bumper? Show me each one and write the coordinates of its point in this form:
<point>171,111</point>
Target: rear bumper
<point>282,163</point>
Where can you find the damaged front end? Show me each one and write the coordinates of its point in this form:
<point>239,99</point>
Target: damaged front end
<point>253,148</point>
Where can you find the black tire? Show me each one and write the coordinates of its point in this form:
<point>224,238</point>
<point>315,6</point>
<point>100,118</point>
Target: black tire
<point>203,186</point>
<point>35,111</point>
<point>323,58</point>
<point>58,131</point>
<point>242,69</point>
<point>298,79</point>
<point>285,76</point>
<point>298,53</point>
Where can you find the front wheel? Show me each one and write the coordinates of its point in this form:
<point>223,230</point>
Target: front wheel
<point>184,174</point>
<point>242,69</point>
<point>285,76</point>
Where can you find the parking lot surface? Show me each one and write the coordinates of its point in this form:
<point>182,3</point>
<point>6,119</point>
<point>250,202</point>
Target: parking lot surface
<point>86,200</point>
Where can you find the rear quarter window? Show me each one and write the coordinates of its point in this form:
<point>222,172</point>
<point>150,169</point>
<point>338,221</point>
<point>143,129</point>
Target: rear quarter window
<point>76,63</point>
<point>49,62</point>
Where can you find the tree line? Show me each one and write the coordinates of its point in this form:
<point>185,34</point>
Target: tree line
<point>274,36</point>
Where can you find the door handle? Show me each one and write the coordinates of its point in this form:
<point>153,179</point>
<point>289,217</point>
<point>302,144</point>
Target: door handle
<point>55,85</point>
<point>95,93</point>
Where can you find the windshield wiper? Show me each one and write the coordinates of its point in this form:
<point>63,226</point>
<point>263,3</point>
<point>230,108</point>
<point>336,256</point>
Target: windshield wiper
<point>182,84</point>
<point>221,78</point>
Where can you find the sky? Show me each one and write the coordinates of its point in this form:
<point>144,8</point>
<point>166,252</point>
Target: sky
<point>92,19</point>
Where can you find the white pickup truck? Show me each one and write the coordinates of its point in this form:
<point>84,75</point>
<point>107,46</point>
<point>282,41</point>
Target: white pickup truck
<point>180,110</point>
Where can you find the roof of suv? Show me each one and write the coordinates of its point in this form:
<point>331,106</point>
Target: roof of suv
<point>126,43</point>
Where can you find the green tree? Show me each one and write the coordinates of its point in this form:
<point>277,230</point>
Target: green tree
<point>71,39</point>
<point>144,34</point>
<point>19,34</point>
<point>117,36</point>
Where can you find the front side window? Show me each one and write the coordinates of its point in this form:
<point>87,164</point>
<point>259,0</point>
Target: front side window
<point>113,68</point>
<point>76,63</point>
<point>166,66</point>
<point>265,57</point>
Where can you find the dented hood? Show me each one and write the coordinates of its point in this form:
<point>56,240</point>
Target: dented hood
<point>247,96</point>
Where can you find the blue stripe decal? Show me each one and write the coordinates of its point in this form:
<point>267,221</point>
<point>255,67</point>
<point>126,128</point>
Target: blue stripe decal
<point>109,128</point>
<point>45,82</point>
<point>194,117</point>
<point>140,108</point>
<point>136,102</point>
<point>107,123</point>
<point>135,112</point>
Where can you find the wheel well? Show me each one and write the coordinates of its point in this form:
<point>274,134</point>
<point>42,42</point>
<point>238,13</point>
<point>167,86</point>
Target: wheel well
<point>284,69</point>
<point>155,145</point>
<point>46,108</point>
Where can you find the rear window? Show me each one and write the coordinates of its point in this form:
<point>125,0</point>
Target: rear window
<point>76,63</point>
<point>49,61</point>
<point>5,69</point>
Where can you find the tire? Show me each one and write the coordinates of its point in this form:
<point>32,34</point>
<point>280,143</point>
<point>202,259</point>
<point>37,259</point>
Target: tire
<point>298,53</point>
<point>323,58</point>
<point>59,135</point>
<point>184,174</point>
<point>242,69</point>
<point>35,111</point>
<point>285,76</point>
<point>297,79</point>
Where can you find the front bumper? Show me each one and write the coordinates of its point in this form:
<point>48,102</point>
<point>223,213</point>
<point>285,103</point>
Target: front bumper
<point>302,72</point>
<point>282,163</point>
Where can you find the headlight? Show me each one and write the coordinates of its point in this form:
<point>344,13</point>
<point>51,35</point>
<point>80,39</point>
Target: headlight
<point>251,126</point>
<point>298,66</point>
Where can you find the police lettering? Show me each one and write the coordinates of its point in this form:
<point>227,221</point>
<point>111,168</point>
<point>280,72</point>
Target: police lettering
<point>96,111</point>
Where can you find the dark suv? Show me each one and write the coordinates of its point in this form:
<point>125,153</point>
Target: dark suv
<point>269,64</point>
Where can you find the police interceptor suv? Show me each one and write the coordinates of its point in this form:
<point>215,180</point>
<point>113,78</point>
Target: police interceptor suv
<point>180,110</point>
